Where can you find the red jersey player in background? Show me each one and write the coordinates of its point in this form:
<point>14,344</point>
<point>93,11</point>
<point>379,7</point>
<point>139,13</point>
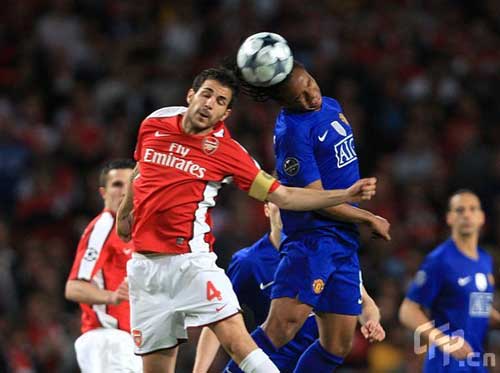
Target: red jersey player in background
<point>98,282</point>
<point>184,156</point>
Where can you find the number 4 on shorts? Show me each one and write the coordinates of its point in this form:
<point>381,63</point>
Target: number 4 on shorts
<point>212,292</point>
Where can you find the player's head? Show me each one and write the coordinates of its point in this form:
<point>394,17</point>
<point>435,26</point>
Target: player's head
<point>273,213</point>
<point>211,97</point>
<point>298,92</point>
<point>465,215</point>
<point>113,180</point>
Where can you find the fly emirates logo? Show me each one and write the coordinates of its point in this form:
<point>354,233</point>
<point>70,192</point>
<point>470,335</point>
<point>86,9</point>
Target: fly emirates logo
<point>172,159</point>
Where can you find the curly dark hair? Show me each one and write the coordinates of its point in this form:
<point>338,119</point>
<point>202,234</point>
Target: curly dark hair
<point>224,76</point>
<point>259,94</point>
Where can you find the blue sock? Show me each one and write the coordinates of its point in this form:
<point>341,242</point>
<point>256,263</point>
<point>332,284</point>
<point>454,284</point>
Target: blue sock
<point>317,359</point>
<point>264,343</point>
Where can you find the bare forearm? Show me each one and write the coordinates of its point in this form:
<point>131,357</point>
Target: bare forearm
<point>370,310</point>
<point>124,218</point>
<point>127,204</point>
<point>413,317</point>
<point>347,213</point>
<point>343,212</point>
<point>207,348</point>
<point>300,199</point>
<point>83,292</point>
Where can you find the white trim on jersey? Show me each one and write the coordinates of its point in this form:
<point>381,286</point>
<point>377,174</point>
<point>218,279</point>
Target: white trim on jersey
<point>97,238</point>
<point>246,151</point>
<point>200,227</point>
<point>107,321</point>
<point>169,111</point>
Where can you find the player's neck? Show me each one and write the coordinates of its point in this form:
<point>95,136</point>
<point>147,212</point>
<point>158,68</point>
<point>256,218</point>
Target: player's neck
<point>275,238</point>
<point>110,207</point>
<point>467,245</point>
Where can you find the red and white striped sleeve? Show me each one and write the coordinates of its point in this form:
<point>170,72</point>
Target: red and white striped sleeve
<point>91,252</point>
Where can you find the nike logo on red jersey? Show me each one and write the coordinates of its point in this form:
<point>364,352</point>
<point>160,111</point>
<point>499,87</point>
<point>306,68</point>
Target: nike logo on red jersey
<point>159,134</point>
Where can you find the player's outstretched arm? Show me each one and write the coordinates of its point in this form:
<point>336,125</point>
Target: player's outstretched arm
<point>414,318</point>
<point>351,214</point>
<point>206,350</point>
<point>84,292</point>
<point>369,319</point>
<point>124,216</point>
<point>302,199</point>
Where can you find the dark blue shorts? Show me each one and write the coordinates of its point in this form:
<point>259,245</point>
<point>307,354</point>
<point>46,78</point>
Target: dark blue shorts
<point>320,271</point>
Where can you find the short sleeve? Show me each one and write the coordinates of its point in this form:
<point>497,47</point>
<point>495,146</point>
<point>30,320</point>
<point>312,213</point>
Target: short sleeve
<point>138,145</point>
<point>427,283</point>
<point>248,176</point>
<point>299,167</point>
<point>92,250</point>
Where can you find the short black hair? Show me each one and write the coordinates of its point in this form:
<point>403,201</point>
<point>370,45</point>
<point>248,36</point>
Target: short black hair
<point>115,164</point>
<point>459,192</point>
<point>222,75</point>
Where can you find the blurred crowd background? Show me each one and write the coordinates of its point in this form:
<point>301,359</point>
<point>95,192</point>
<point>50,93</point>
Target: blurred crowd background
<point>418,80</point>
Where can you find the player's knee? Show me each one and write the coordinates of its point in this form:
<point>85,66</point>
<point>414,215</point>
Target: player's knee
<point>340,347</point>
<point>237,347</point>
<point>283,330</point>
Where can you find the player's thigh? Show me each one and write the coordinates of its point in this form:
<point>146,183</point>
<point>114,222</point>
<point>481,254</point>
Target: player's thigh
<point>289,311</point>
<point>207,295</point>
<point>304,269</point>
<point>336,331</point>
<point>160,361</point>
<point>342,291</point>
<point>89,349</point>
<point>121,357</point>
<point>154,319</point>
<point>107,350</point>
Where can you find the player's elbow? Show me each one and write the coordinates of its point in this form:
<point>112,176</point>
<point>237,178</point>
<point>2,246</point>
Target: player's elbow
<point>406,313</point>
<point>67,291</point>
<point>70,291</point>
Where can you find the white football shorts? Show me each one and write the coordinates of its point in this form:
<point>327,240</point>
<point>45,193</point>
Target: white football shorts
<point>169,293</point>
<point>106,350</point>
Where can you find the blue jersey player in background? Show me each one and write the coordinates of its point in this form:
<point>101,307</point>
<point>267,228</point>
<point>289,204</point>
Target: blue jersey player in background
<point>455,285</point>
<point>319,269</point>
<point>252,274</point>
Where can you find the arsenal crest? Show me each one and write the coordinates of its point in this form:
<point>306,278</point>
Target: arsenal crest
<point>137,336</point>
<point>209,145</point>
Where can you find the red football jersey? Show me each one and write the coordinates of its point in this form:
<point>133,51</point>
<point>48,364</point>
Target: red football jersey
<point>179,178</point>
<point>102,258</point>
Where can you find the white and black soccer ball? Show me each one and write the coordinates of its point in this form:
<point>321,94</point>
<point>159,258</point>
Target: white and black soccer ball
<point>265,59</point>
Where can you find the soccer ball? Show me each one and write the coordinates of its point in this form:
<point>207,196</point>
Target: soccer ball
<point>264,59</point>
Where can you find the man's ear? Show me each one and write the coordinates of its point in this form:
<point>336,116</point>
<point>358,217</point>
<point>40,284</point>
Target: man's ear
<point>226,114</point>
<point>190,95</point>
<point>102,192</point>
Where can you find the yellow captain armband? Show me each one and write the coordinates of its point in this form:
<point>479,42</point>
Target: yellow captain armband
<point>261,185</point>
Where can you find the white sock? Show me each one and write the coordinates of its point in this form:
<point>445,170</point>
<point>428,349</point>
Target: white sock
<point>258,362</point>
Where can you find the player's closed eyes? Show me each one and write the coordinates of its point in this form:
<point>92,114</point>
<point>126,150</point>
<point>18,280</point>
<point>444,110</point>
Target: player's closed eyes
<point>117,184</point>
